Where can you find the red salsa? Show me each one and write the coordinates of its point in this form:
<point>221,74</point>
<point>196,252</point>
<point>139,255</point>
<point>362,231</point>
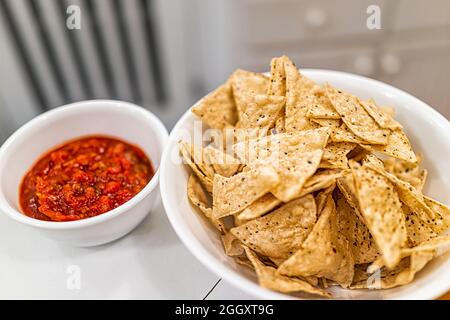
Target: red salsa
<point>84,178</point>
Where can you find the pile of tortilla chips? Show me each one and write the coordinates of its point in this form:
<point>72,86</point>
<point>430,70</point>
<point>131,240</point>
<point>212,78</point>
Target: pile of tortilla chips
<point>312,187</point>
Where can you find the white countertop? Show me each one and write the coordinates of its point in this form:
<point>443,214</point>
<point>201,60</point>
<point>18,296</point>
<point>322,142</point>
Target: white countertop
<point>148,263</point>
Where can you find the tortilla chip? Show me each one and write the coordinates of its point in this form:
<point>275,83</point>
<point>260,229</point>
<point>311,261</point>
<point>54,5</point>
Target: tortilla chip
<point>343,134</point>
<point>381,207</point>
<point>320,180</point>
<point>356,118</point>
<point>331,123</point>
<point>403,274</point>
<point>260,207</point>
<point>325,253</point>
<point>199,198</point>
<point>298,97</point>
<point>280,123</point>
<point>277,85</point>
<point>417,231</point>
<point>320,107</point>
<point>234,194</point>
<point>441,220</point>
<point>186,151</point>
<point>346,185</point>
<point>358,235</point>
<point>398,146</point>
<point>232,246</point>
<point>222,163</point>
<point>406,171</point>
<point>410,196</point>
<point>335,153</point>
<point>383,119</point>
<point>268,278</point>
<point>322,197</point>
<point>272,148</point>
<point>280,233</point>
<point>245,84</point>
<point>218,109</point>
<point>261,112</point>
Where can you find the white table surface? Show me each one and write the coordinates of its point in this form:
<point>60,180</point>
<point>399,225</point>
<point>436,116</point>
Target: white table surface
<point>149,263</point>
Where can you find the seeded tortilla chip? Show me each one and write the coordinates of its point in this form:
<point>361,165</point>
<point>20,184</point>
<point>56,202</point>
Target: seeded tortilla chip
<point>199,198</point>
<point>294,171</point>
<point>280,233</point>
<point>232,246</point>
<point>409,195</point>
<point>381,207</point>
<point>268,278</point>
<point>298,97</point>
<point>346,185</point>
<point>245,84</point>
<point>261,112</point>
<point>356,117</point>
<point>260,207</point>
<point>398,146</point>
<point>343,134</point>
<point>322,197</point>
<point>406,171</point>
<point>441,220</point>
<point>277,85</point>
<point>358,235</point>
<point>382,118</point>
<point>325,253</point>
<point>234,194</point>
<point>416,230</point>
<point>335,153</point>
<point>218,109</point>
<point>331,123</point>
<point>320,107</point>
<point>401,275</point>
<point>185,150</point>
<point>222,163</point>
<point>271,148</point>
<point>320,180</point>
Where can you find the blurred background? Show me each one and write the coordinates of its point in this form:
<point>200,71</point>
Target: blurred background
<point>165,54</point>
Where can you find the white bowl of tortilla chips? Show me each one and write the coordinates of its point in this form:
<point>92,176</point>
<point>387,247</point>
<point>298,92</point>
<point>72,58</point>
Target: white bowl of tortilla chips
<point>329,211</point>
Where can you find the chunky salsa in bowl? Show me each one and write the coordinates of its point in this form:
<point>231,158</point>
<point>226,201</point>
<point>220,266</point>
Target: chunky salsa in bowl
<point>84,178</point>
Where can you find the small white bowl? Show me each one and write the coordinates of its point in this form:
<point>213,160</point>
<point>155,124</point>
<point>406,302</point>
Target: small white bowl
<point>430,135</point>
<point>123,120</point>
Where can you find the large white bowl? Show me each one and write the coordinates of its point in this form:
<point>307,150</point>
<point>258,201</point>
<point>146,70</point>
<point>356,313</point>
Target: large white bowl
<point>119,119</point>
<point>430,134</point>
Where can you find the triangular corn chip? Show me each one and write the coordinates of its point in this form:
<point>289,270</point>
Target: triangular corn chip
<point>361,241</point>
<point>260,207</point>
<point>298,93</point>
<point>277,85</point>
<point>261,112</point>
<point>335,153</point>
<point>381,208</point>
<point>356,117</point>
<point>222,163</point>
<point>186,153</point>
<point>218,109</point>
<point>231,245</point>
<point>199,198</point>
<point>280,233</point>
<point>383,119</point>
<point>268,278</point>
<point>398,146</point>
<point>325,253</point>
<point>245,84</point>
<point>234,194</point>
